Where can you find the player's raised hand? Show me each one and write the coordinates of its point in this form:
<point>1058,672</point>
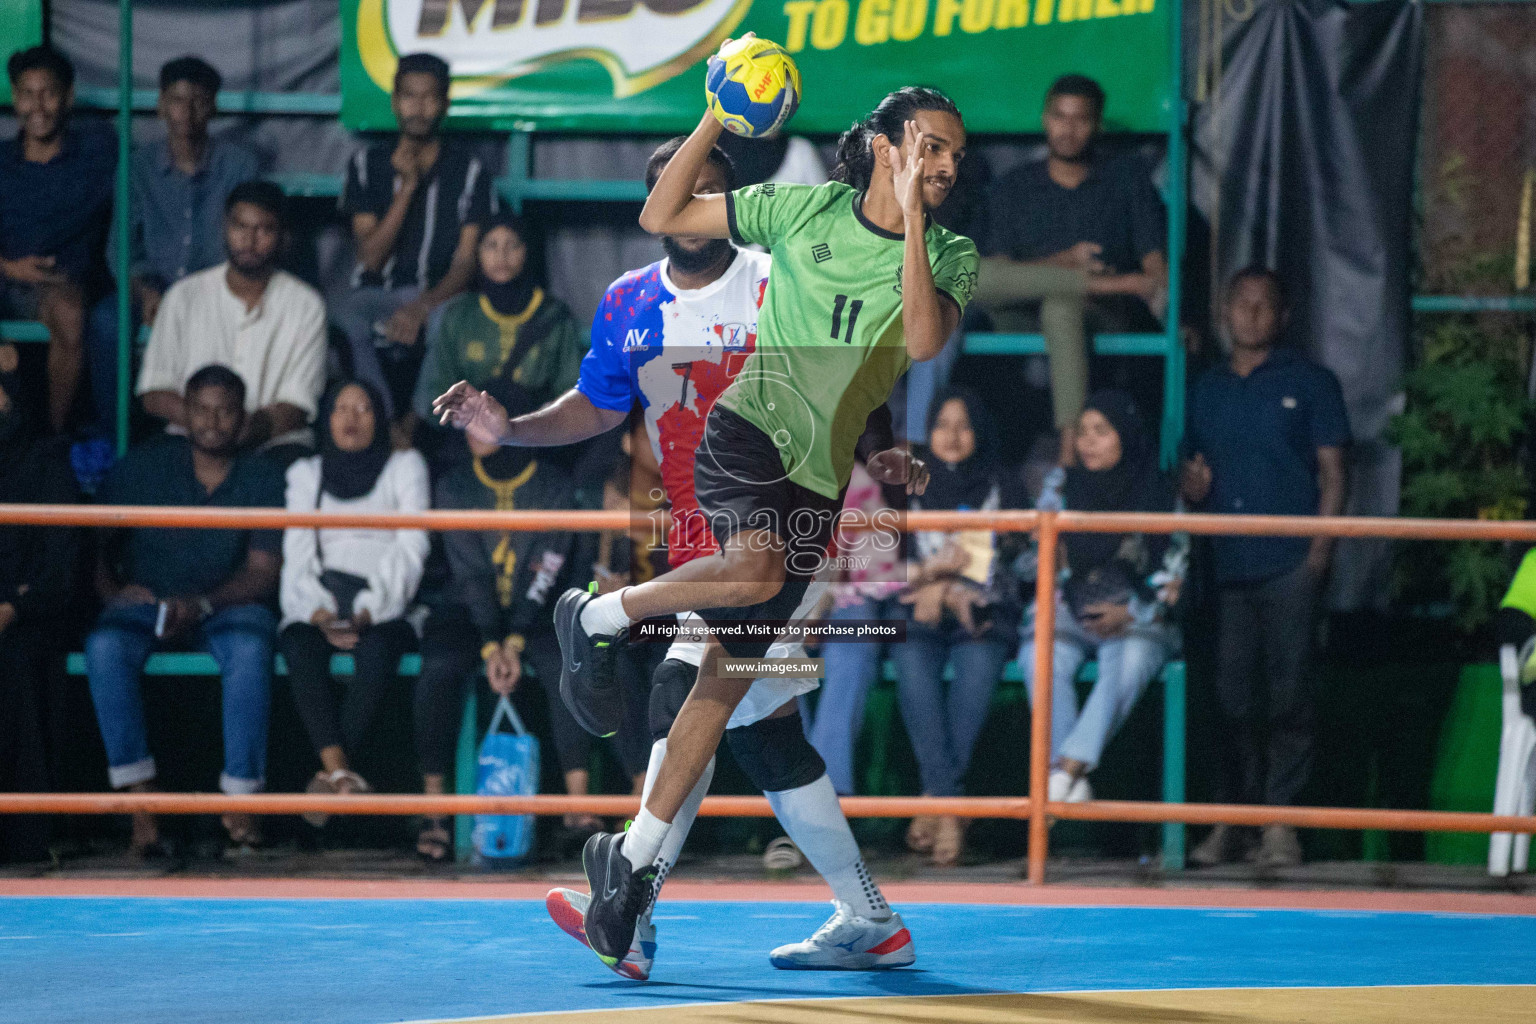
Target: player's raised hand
<point>473,411</point>
<point>724,43</point>
<point>907,174</point>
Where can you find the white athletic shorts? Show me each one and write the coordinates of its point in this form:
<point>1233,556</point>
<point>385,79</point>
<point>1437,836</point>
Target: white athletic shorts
<point>766,695</point>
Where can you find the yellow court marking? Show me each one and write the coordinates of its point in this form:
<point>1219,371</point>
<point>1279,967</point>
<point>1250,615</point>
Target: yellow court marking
<point>1437,1004</point>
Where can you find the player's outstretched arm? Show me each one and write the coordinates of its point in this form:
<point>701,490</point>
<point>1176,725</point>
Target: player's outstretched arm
<point>672,208</point>
<point>570,418</point>
<point>927,318</point>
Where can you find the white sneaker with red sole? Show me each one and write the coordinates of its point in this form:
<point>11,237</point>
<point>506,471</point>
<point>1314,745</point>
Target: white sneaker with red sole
<point>848,942</point>
<point>568,909</point>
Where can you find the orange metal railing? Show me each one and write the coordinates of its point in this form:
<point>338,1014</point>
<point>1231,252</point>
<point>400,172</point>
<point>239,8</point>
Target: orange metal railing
<point>1050,526</point>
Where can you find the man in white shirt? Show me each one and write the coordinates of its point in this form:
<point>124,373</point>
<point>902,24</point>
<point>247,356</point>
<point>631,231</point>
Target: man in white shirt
<point>264,323</point>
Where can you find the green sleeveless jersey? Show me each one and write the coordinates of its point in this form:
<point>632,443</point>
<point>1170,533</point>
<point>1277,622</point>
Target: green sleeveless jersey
<point>829,336</point>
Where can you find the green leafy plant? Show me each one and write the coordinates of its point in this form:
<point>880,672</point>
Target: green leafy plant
<point>1460,435</point>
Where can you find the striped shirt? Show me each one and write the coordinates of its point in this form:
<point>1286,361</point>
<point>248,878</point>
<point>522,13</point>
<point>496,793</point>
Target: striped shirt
<point>456,192</point>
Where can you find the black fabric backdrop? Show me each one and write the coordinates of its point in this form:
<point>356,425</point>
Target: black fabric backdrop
<point>1310,133</point>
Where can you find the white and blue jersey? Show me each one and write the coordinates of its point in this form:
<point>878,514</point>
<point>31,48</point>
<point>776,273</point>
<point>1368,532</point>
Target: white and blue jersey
<point>674,351</point>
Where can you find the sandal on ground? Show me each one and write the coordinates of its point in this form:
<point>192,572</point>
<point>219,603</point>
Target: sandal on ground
<point>920,834</point>
<point>783,855</point>
<point>340,782</point>
<point>243,830</point>
<point>434,843</point>
<point>948,842</point>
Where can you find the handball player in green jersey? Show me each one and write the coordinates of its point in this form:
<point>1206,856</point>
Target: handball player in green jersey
<point>862,284</point>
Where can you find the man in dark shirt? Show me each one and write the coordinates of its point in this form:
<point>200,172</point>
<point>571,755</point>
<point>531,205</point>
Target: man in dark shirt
<point>189,587</point>
<point>1267,434</point>
<point>1073,237</point>
<point>416,206</point>
<point>55,201</point>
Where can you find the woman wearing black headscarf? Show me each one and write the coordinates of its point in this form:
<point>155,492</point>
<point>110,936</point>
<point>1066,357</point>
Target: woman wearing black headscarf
<point>961,616</point>
<point>1118,591</point>
<point>506,326</point>
<point>36,568</point>
<point>348,589</point>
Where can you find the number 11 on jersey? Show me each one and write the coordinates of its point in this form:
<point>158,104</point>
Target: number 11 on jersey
<point>837,317</point>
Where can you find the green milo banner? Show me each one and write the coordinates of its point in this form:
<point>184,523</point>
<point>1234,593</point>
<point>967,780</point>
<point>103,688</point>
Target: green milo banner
<point>637,65</point>
<point>21,26</point>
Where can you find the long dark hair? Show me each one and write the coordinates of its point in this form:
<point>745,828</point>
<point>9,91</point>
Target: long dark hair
<point>855,150</point>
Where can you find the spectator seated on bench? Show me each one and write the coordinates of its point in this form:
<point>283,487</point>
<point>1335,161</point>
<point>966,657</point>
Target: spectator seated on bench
<point>1073,242</point>
<point>177,189</point>
<point>348,589</point>
<point>416,205</point>
<point>963,613</point>
<point>55,197</point>
<point>245,313</point>
<point>508,326</point>
<point>174,587</point>
<point>1116,601</point>
<point>504,585</point>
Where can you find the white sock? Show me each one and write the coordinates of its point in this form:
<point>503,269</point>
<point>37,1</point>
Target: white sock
<point>604,616</point>
<point>814,820</point>
<point>677,835</point>
<point>643,840</point>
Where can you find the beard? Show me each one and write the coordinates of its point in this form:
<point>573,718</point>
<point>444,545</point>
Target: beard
<point>252,266</point>
<point>1082,156</point>
<point>693,261</point>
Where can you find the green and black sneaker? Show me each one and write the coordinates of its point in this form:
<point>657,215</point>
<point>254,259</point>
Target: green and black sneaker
<point>620,894</point>
<point>589,686</point>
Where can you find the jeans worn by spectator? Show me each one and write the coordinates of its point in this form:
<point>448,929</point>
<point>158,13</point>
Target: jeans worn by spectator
<point>944,719</point>
<point>240,639</point>
<point>1264,686</point>
<point>851,669</point>
<point>376,663</point>
<point>1126,665</point>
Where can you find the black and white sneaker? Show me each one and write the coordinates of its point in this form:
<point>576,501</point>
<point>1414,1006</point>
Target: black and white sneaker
<point>589,685</point>
<point>620,894</point>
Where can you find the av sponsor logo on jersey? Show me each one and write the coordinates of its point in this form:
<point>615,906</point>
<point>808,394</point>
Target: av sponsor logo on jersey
<point>641,43</point>
<point>634,339</point>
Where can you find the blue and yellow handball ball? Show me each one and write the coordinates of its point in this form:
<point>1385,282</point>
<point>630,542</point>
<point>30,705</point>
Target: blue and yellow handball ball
<point>753,87</point>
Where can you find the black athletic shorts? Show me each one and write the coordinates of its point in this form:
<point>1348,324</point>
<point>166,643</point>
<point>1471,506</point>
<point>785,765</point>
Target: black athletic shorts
<point>740,483</point>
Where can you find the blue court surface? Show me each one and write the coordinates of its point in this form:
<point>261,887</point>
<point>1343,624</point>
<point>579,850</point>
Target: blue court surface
<point>88,960</point>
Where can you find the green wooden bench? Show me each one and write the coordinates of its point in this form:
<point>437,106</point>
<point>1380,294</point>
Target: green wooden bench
<point>199,664</point>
